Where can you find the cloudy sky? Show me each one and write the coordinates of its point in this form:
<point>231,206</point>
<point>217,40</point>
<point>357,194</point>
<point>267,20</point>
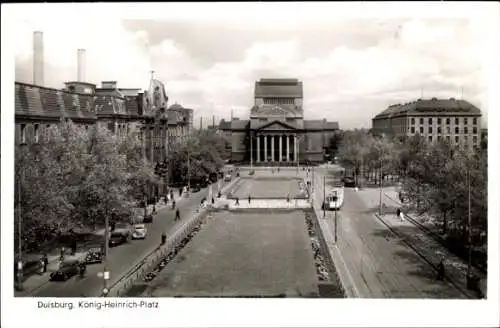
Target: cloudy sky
<point>351,67</point>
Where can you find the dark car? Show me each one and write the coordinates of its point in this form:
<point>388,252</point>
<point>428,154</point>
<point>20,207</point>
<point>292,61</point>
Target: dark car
<point>196,188</point>
<point>94,254</point>
<point>117,238</point>
<point>349,182</point>
<point>213,177</point>
<point>66,270</point>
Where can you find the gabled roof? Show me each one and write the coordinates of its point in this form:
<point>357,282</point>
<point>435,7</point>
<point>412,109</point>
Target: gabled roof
<point>262,126</point>
<point>433,105</point>
<point>239,124</point>
<point>320,125</point>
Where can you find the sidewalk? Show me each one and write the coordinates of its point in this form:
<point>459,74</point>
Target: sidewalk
<point>35,281</point>
<point>417,239</point>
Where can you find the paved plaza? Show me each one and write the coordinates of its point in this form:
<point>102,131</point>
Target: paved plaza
<point>268,187</point>
<point>258,254</point>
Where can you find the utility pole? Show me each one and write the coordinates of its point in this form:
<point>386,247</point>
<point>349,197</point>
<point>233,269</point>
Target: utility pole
<point>20,238</point>
<point>167,161</point>
<point>105,273</point>
<point>324,197</point>
<point>469,223</point>
<point>380,196</point>
<point>336,210</point>
<point>189,166</point>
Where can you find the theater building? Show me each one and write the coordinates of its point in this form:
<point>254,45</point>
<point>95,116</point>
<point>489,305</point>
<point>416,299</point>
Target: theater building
<point>276,132</point>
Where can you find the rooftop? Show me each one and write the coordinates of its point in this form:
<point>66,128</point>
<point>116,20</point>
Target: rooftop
<point>432,105</point>
<point>286,88</point>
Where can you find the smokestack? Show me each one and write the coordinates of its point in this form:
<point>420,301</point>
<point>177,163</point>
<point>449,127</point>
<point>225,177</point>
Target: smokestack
<point>38,61</point>
<point>81,65</point>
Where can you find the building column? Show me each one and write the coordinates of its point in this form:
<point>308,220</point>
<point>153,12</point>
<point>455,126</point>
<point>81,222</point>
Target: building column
<point>295,157</point>
<point>287,138</point>
<point>272,148</point>
<point>265,147</point>
<point>258,149</point>
<point>281,148</point>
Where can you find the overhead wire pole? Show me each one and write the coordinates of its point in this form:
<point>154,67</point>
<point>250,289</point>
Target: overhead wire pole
<point>469,223</point>
<point>380,194</point>
<point>105,273</point>
<point>324,197</point>
<point>20,238</point>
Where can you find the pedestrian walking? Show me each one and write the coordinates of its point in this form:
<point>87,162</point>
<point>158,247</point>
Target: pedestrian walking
<point>82,268</point>
<point>163,238</point>
<point>61,255</point>
<point>154,209</point>
<point>219,194</point>
<point>249,199</point>
<point>45,259</point>
<point>237,201</point>
<point>173,204</point>
<point>177,215</point>
<point>398,213</point>
<point>180,191</point>
<point>440,270</point>
<point>213,201</point>
<point>41,266</point>
<point>73,247</point>
<point>171,194</point>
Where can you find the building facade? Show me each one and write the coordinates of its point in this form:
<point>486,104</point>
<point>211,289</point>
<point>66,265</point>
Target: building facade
<point>276,131</point>
<point>456,121</point>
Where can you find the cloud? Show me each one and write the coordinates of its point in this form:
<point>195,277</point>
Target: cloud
<point>351,70</point>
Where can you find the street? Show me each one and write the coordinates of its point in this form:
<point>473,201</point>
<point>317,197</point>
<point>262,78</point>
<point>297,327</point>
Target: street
<point>379,264</point>
<point>122,258</point>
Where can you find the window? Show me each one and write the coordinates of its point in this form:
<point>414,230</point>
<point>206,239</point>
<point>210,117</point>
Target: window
<point>23,134</point>
<point>456,121</point>
<point>448,121</point>
<point>412,120</point>
<point>448,130</point>
<point>430,120</point>
<point>430,138</point>
<point>456,130</point>
<point>466,139</point>
<point>466,130</point>
<point>37,133</point>
<point>439,138</point>
<point>439,120</point>
<point>448,138</point>
<point>474,140</point>
<point>474,120</point>
<point>456,139</point>
<point>465,120</point>
<point>474,130</point>
<point>421,129</point>
<point>412,129</point>
<point>439,129</point>
<point>421,120</point>
<point>430,129</point>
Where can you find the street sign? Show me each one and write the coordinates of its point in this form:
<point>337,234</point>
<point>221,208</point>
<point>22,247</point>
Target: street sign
<point>106,275</point>
<point>100,274</point>
<point>105,291</point>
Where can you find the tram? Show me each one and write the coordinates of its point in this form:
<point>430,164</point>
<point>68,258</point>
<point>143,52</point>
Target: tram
<point>334,200</point>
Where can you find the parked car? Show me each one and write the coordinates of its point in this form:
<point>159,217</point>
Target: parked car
<point>140,231</point>
<point>195,188</point>
<point>349,181</point>
<point>94,254</point>
<point>66,270</point>
<point>213,177</point>
<point>227,177</point>
<point>117,238</point>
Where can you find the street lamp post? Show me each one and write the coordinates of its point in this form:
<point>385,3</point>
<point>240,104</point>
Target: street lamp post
<point>20,274</point>
<point>323,204</point>
<point>380,194</point>
<point>105,273</point>
<point>336,210</point>
<point>469,223</point>
<point>189,168</point>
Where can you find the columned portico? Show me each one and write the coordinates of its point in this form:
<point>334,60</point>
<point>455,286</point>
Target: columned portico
<point>274,147</point>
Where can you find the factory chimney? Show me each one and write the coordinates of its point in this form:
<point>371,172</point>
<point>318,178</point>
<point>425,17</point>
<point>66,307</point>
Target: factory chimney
<point>38,61</point>
<point>81,65</point>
